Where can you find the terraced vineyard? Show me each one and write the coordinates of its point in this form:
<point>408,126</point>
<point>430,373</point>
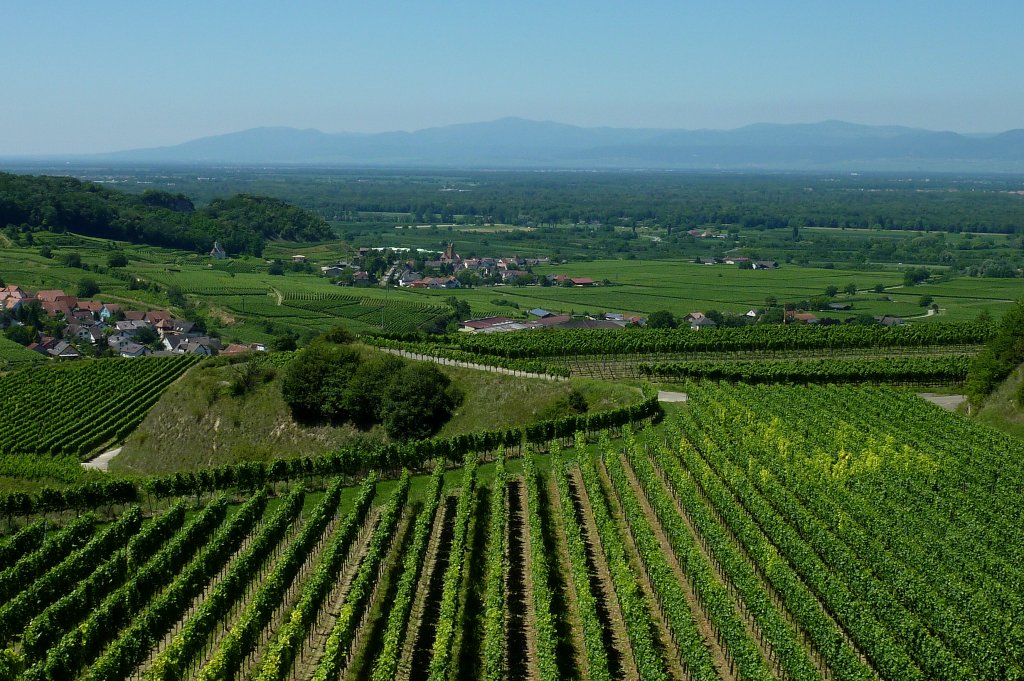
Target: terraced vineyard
<point>74,408</point>
<point>759,532</point>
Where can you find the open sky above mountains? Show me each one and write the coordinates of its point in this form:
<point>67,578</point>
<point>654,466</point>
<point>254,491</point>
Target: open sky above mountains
<point>113,74</point>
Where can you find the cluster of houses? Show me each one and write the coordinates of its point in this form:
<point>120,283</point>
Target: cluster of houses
<point>745,263</point>
<point>94,323</point>
<point>542,319</point>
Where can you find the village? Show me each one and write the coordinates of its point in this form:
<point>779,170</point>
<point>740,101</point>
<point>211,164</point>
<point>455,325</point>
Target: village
<point>447,271</point>
<point>87,328</point>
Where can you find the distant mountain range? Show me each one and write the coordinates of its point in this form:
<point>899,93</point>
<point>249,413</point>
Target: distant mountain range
<point>519,143</point>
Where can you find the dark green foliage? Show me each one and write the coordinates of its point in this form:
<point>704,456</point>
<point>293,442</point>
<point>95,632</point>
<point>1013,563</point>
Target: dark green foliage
<point>367,388</point>
<point>73,259</point>
<point>242,223</point>
<point>285,343</point>
<point>329,382</point>
<point>577,401</point>
<point>999,357</point>
<point>915,275</point>
<point>87,288</point>
<point>340,335</point>
<point>117,259</point>
<point>176,202</point>
<point>315,381</point>
<point>418,401</point>
<point>21,334</point>
<point>276,268</point>
<point>147,335</point>
<point>460,308</point>
<point>661,319</point>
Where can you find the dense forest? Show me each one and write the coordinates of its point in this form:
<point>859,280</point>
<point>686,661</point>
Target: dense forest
<point>242,223</point>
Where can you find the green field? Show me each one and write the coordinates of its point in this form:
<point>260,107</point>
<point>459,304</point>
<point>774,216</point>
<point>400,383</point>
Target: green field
<point>249,304</point>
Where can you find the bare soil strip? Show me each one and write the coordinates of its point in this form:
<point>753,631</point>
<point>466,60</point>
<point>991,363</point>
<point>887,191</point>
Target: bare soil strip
<point>718,653</point>
<point>675,664</point>
<point>621,663</point>
<point>240,605</point>
<point>521,648</point>
<point>313,647</point>
<point>291,597</point>
<point>426,612</point>
<point>197,601</point>
<point>361,653</point>
<point>562,564</point>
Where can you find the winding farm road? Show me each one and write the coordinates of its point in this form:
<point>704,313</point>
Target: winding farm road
<point>101,462</point>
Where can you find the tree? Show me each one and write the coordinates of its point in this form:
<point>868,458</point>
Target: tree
<point>850,289</point>
<point>87,288</point>
<point>999,356</point>
<point>577,401</point>
<point>925,301</point>
<point>420,399</point>
<point>460,307</point>
<point>831,291</point>
<point>661,319</point>
<point>46,251</point>
<point>339,335</point>
<point>117,259</point>
<point>915,275</point>
<point>366,390</point>
<point>23,335</point>
<point>276,268</point>
<point>72,259</point>
<point>147,336</point>
<point>315,381</point>
<point>717,317</point>
<point>879,288</point>
<point>770,302</point>
<point>285,342</point>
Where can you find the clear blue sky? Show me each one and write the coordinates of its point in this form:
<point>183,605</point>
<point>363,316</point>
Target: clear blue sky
<point>107,75</point>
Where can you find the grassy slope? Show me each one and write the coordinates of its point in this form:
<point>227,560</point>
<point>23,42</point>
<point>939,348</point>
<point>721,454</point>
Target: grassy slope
<point>1001,410</point>
<point>196,424</point>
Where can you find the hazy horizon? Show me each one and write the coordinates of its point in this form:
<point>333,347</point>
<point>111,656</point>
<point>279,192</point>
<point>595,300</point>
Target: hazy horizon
<point>114,75</point>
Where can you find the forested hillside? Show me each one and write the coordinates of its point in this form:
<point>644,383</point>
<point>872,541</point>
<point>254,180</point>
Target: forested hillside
<point>242,223</point>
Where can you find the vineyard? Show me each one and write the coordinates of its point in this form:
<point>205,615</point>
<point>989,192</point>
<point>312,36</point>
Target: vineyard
<point>939,353</point>
<point>762,338</point>
<point>72,409</point>
<point>391,316</point>
<point>759,532</point>
<point>14,356</point>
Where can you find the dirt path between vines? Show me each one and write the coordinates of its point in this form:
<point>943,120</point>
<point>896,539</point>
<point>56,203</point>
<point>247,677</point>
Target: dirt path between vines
<point>703,623</point>
<point>562,563</point>
<point>426,610</point>
<point>521,648</point>
<point>662,629</point>
<point>621,662</point>
<point>805,638</point>
<point>312,649</point>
